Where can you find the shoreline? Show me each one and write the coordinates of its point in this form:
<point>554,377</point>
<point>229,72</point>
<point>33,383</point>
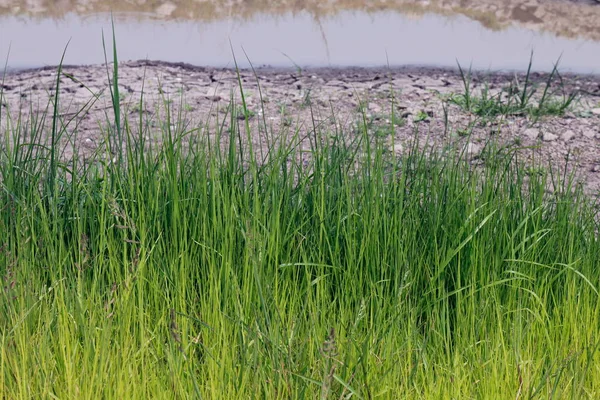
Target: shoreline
<point>319,69</point>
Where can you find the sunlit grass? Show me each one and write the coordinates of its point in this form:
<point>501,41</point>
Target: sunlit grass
<point>195,270</point>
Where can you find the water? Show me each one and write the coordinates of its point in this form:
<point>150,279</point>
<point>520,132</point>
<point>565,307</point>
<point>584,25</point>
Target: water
<point>336,34</point>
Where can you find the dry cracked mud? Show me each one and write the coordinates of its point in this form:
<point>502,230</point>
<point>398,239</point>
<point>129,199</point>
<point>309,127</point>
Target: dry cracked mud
<point>294,100</point>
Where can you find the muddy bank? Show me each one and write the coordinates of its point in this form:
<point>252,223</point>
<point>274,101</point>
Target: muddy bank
<point>568,18</point>
<point>292,100</point>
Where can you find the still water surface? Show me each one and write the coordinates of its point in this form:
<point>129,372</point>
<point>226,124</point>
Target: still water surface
<point>329,33</point>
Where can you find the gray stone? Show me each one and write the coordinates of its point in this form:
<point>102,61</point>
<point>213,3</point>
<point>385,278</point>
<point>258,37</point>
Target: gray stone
<point>473,149</point>
<point>549,137</point>
<point>596,111</point>
<point>531,133</point>
<point>398,148</point>
<point>567,135</point>
<point>375,108</point>
<point>588,133</point>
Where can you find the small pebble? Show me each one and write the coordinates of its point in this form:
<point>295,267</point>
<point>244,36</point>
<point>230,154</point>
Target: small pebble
<point>532,133</point>
<point>588,133</point>
<point>398,148</point>
<point>375,108</point>
<point>567,135</point>
<point>472,148</point>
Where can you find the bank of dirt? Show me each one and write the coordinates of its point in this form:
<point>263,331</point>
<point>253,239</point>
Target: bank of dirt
<point>567,18</point>
<point>294,100</point>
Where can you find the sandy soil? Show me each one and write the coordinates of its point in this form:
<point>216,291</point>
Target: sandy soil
<point>329,97</point>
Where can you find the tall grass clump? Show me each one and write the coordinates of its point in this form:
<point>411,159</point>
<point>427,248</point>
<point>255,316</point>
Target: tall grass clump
<point>524,98</point>
<point>198,270</point>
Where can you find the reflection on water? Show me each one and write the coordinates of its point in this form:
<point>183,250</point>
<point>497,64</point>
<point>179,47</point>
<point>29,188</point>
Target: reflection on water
<point>488,33</point>
<point>568,18</point>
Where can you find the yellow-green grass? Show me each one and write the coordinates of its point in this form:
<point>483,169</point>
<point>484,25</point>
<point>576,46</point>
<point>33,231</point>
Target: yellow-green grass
<point>202,272</point>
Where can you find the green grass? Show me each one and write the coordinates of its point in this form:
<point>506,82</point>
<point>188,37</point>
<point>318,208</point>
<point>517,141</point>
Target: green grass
<point>196,271</point>
<point>518,98</point>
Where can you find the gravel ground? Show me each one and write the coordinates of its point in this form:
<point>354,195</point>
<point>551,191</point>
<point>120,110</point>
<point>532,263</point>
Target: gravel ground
<point>325,96</point>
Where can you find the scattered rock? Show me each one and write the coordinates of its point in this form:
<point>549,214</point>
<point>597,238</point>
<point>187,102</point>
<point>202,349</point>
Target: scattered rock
<point>214,98</point>
<point>567,135</point>
<point>596,111</point>
<point>531,133</point>
<point>375,108</point>
<point>549,137</point>
<point>398,148</point>
<point>207,87</point>
<point>588,133</point>
<point>473,149</point>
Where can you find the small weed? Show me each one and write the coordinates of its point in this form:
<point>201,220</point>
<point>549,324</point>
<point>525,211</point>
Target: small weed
<point>397,120</point>
<point>535,171</point>
<point>362,107</point>
<point>517,98</point>
<point>307,100</point>
<point>288,121</point>
<point>462,132</point>
<point>384,131</point>
<point>421,116</point>
<point>242,112</point>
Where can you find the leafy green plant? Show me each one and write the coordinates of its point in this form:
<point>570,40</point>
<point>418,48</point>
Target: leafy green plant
<point>420,116</point>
